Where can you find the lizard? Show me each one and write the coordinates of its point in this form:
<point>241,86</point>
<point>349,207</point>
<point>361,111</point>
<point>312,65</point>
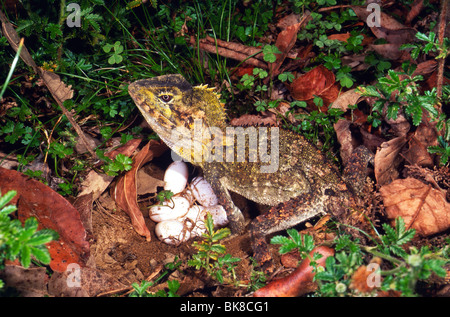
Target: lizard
<point>296,179</point>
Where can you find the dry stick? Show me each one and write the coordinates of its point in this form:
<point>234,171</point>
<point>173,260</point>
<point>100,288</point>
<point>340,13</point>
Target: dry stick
<point>442,24</point>
<point>341,6</point>
<point>238,47</point>
<point>225,52</point>
<point>13,38</point>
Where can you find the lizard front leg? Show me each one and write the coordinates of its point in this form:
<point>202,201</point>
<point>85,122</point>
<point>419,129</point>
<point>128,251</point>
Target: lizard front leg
<point>234,214</point>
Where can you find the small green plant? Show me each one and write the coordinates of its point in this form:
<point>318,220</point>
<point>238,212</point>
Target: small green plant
<point>141,290</point>
<point>431,45</point>
<point>22,242</point>
<point>406,97</point>
<point>303,243</point>
<point>115,57</point>
<point>317,123</point>
<point>120,163</point>
<point>164,195</point>
<point>211,254</point>
<point>443,149</point>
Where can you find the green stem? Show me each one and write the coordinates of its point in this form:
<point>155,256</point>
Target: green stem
<point>382,255</point>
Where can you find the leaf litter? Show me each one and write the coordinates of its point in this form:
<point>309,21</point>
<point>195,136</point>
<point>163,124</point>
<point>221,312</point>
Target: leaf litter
<point>111,237</point>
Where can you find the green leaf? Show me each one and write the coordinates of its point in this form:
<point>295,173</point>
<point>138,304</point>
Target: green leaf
<point>40,237</point>
<point>269,52</point>
<point>5,199</point>
<point>25,256</point>
<point>220,234</point>
<point>41,254</point>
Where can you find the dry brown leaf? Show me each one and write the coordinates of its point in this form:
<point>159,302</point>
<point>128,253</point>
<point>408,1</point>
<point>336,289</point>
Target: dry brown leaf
<point>417,152</point>
<point>56,86</point>
<point>348,98</point>
<point>127,149</point>
<point>125,191</point>
<point>390,51</point>
<point>147,184</point>
<point>95,184</point>
<point>13,38</point>
<point>422,207</point>
<point>317,82</point>
<point>345,139</point>
<point>425,68</point>
<point>285,41</point>
<point>389,28</point>
<point>399,126</point>
<point>387,159</point>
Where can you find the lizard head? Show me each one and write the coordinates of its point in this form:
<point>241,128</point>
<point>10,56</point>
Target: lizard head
<point>169,103</point>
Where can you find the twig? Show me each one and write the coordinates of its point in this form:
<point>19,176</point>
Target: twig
<point>13,38</point>
<point>229,53</point>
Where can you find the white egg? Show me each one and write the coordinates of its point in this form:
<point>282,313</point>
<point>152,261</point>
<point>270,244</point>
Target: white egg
<point>203,192</point>
<point>218,215</point>
<point>172,232</point>
<point>194,220</point>
<point>194,214</point>
<point>176,177</point>
<point>170,209</point>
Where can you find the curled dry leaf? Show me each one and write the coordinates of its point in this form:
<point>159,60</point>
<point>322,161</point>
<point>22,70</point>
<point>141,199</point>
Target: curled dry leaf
<point>345,139</point>
<point>299,282</point>
<point>417,153</point>
<point>125,191</point>
<point>422,207</point>
<point>52,211</point>
<point>387,159</point>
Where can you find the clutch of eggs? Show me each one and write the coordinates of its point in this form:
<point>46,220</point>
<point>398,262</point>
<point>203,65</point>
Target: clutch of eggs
<point>179,219</point>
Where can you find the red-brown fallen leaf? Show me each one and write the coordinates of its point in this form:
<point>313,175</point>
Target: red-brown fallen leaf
<point>317,82</point>
<point>298,282</point>
<point>125,191</point>
<point>126,149</point>
<point>52,211</point>
<point>421,206</point>
<point>285,41</point>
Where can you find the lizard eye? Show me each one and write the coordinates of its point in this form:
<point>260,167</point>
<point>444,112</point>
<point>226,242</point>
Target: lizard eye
<point>166,98</point>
